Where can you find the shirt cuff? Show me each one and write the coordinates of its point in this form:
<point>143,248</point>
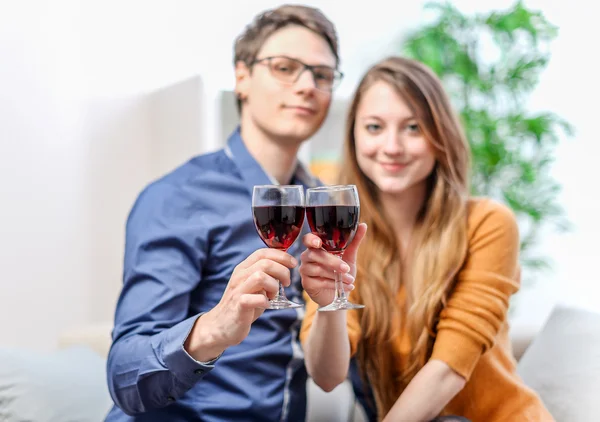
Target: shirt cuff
<point>177,360</point>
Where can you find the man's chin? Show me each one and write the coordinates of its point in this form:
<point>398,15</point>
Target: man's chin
<point>296,135</point>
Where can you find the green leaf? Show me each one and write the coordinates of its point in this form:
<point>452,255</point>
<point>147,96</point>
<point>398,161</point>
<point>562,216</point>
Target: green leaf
<point>537,263</point>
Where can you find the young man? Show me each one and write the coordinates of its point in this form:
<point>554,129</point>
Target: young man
<point>197,277</point>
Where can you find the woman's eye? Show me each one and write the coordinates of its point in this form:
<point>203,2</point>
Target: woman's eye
<point>413,127</point>
<point>373,127</point>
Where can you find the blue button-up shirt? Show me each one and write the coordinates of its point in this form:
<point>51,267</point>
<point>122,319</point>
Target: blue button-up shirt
<point>185,234</point>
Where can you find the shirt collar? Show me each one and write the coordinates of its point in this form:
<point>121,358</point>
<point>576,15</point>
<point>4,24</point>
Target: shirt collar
<point>253,173</point>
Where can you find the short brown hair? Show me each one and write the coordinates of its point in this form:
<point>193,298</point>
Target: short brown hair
<point>249,42</point>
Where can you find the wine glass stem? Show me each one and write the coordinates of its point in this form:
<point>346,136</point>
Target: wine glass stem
<point>281,293</point>
<point>340,294</point>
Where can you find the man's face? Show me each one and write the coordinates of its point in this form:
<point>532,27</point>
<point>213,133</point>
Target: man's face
<point>290,111</point>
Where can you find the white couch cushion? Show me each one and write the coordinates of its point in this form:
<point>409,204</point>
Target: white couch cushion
<point>67,385</point>
<point>563,365</point>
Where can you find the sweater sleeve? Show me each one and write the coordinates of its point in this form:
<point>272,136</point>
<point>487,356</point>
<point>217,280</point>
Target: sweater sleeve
<point>478,305</point>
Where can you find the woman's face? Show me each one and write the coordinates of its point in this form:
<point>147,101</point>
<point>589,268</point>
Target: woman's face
<point>390,147</point>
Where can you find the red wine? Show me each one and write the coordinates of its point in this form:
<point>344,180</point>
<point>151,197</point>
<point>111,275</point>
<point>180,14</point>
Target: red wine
<point>278,226</point>
<point>334,224</point>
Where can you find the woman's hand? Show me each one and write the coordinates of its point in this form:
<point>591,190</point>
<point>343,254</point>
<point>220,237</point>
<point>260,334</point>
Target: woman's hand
<point>317,267</point>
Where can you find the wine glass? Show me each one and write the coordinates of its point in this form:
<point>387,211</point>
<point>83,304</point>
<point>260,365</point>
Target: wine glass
<point>278,213</point>
<point>333,213</point>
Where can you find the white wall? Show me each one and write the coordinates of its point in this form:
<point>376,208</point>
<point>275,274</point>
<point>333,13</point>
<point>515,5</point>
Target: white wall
<point>76,146</point>
<point>99,97</point>
<point>44,257</point>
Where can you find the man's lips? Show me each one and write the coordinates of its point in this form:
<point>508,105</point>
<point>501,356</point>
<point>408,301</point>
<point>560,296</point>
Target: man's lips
<point>301,109</point>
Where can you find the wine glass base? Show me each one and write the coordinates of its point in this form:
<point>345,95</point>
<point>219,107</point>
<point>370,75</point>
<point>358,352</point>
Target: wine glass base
<point>283,303</point>
<point>340,305</point>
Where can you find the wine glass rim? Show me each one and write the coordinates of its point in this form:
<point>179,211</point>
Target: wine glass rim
<point>278,186</point>
<point>333,188</point>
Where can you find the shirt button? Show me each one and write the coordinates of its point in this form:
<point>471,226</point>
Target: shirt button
<point>198,372</point>
<point>170,399</point>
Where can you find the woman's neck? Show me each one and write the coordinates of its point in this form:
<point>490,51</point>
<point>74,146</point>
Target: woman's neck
<point>402,211</point>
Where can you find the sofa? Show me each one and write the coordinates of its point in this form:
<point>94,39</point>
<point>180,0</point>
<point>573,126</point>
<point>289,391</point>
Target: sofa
<point>561,362</point>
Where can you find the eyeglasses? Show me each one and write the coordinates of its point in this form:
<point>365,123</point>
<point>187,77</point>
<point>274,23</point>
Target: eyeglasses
<point>288,70</point>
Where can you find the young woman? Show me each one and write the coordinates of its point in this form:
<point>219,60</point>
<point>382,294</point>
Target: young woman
<point>436,270</point>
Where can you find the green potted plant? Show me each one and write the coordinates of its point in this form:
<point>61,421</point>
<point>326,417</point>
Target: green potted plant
<point>490,63</point>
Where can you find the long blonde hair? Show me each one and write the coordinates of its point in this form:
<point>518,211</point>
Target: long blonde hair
<point>439,238</point>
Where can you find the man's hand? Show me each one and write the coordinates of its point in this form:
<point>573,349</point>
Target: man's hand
<point>318,266</point>
<point>253,282</point>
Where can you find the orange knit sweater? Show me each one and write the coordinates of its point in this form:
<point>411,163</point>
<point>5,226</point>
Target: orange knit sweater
<point>473,333</point>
